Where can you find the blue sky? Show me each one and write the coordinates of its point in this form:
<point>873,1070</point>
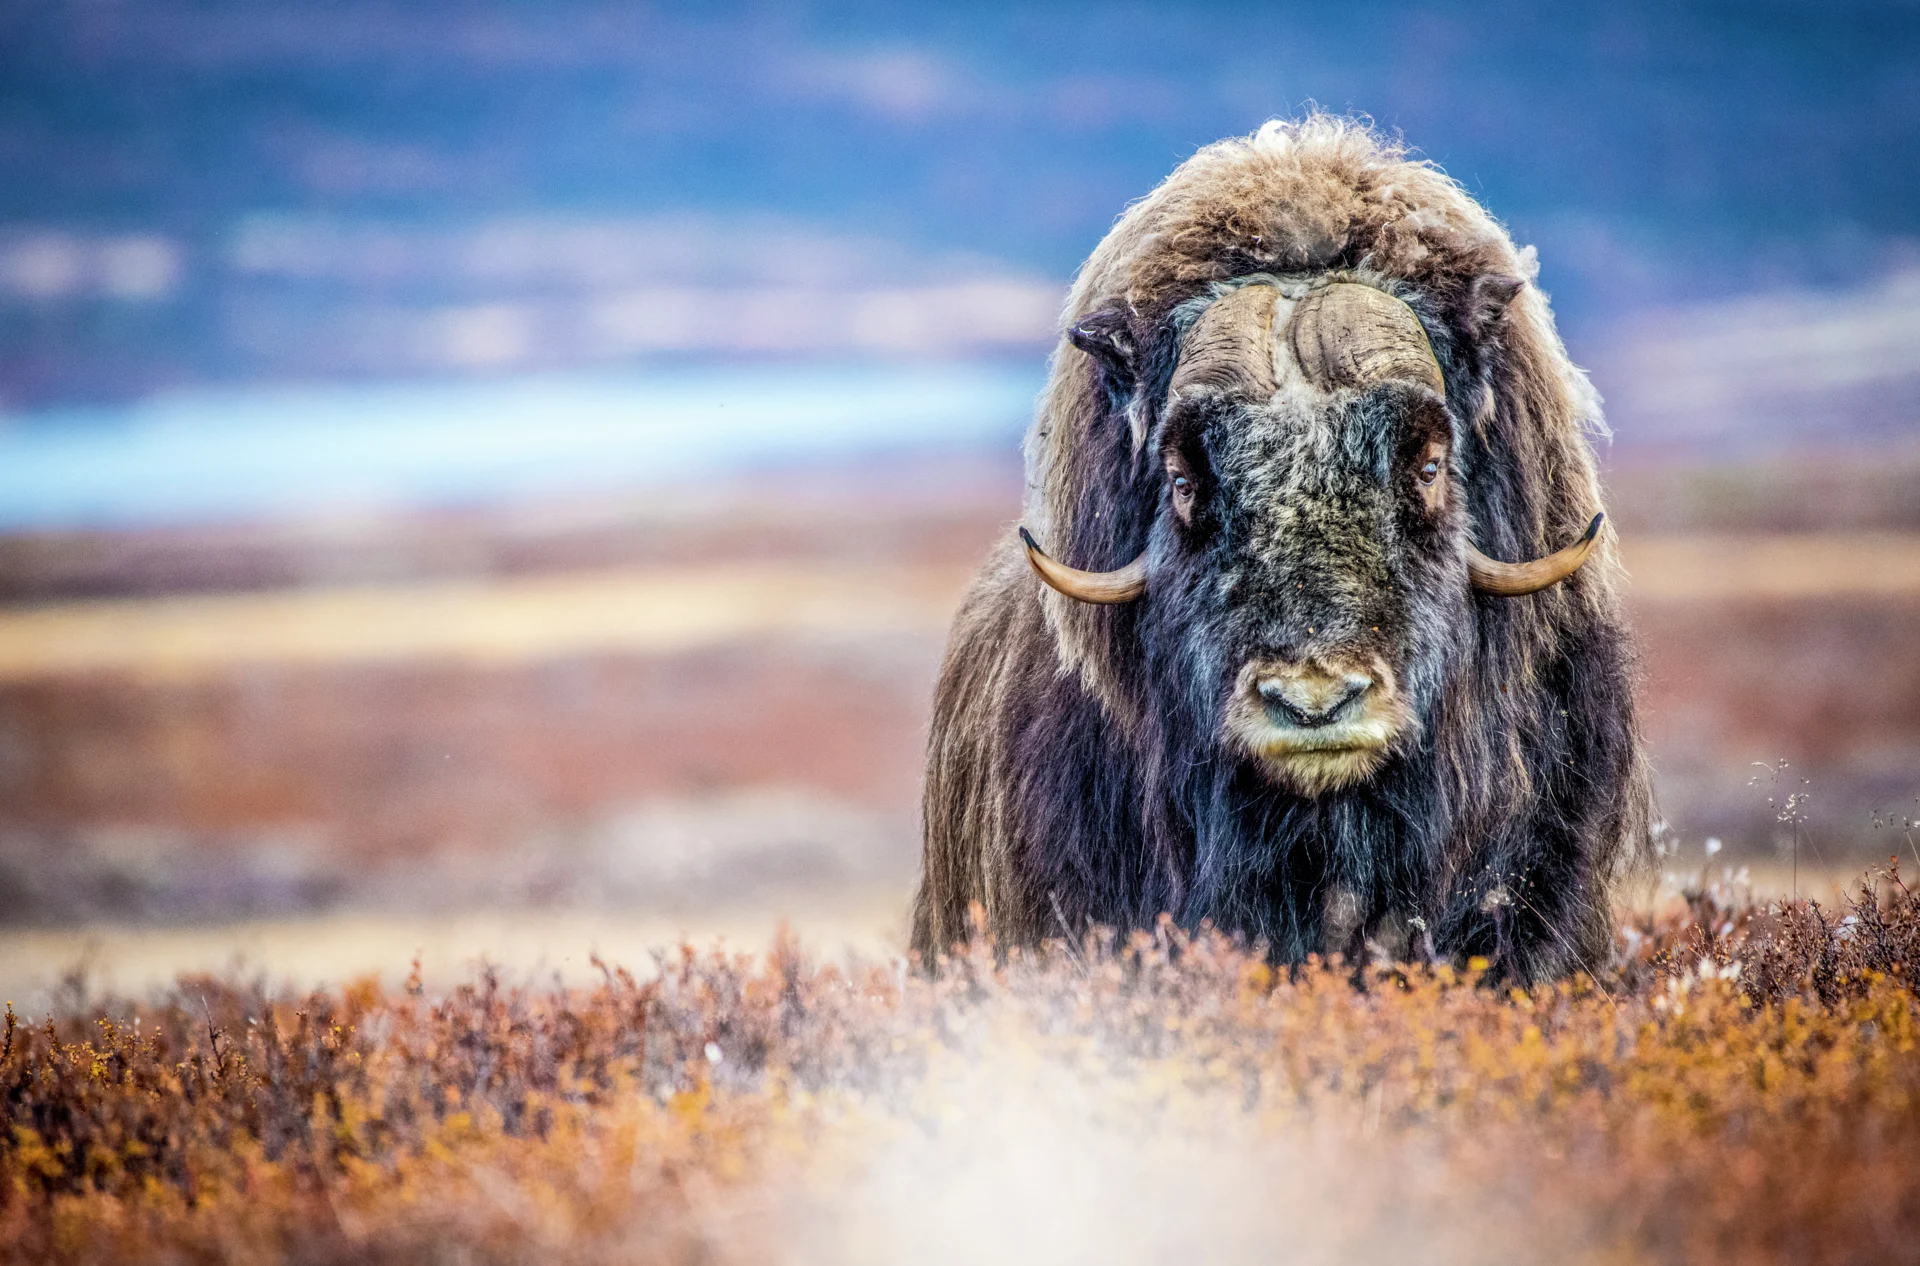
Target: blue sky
<point>832,162</point>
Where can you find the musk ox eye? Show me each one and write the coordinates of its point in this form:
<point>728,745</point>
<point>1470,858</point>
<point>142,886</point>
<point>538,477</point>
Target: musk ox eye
<point>1183,490</point>
<point>1433,464</point>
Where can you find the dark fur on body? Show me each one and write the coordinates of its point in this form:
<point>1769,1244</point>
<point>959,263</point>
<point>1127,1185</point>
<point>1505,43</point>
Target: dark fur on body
<point>1077,772</point>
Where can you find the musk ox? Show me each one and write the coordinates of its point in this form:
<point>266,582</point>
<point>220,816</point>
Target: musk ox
<point>1254,657</point>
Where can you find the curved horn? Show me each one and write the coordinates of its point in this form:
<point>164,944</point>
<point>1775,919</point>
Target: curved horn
<point>1105,587</point>
<point>1350,335</point>
<point>1510,580</point>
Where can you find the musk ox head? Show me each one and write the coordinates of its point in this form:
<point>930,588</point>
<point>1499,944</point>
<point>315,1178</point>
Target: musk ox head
<point>1310,559</point>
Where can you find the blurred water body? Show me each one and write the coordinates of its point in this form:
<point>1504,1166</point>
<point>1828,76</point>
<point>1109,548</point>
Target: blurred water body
<point>244,453</point>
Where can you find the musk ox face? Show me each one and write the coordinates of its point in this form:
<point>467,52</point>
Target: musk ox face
<point>1309,571</point>
<point>1310,586</point>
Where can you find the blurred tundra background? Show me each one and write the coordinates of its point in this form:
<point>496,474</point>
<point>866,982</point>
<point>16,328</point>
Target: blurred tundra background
<point>492,478</point>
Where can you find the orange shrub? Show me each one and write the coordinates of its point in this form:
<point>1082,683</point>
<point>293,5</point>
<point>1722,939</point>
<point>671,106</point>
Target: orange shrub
<point>1744,1087</point>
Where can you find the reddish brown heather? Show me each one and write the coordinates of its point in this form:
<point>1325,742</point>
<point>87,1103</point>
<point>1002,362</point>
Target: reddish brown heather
<point>1744,1087</point>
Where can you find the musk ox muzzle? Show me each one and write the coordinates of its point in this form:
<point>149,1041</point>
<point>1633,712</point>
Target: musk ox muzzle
<point>1319,722</point>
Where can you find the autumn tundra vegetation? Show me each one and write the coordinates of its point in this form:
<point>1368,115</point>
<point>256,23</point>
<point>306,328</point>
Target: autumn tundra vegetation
<point>1739,1083</point>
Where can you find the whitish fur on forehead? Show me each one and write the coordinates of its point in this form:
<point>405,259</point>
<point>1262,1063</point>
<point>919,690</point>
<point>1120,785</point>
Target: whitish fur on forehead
<point>1296,198</point>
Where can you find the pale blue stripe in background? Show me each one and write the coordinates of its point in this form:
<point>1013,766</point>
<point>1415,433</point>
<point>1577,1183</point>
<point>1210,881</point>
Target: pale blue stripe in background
<point>213,455</point>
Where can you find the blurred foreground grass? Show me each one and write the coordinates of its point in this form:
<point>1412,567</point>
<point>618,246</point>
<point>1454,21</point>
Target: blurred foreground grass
<point>1743,1085</point>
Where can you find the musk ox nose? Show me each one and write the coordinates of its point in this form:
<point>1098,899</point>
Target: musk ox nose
<point>1307,696</point>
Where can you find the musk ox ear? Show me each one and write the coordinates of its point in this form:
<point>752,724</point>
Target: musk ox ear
<point>1492,292</point>
<point>1106,334</point>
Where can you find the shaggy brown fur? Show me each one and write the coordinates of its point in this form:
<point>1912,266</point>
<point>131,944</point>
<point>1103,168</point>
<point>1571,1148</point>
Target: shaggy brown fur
<point>1076,772</point>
